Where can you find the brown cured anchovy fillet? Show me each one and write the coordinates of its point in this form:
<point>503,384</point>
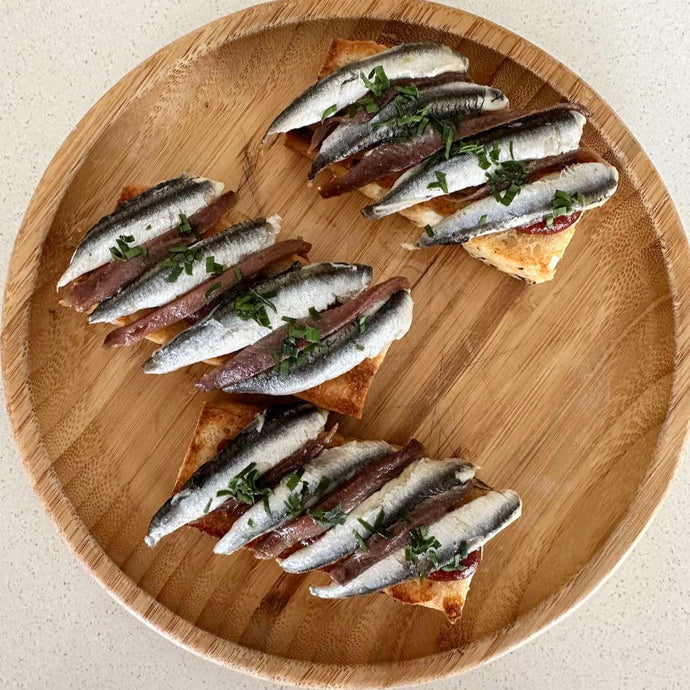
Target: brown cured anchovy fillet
<point>398,535</point>
<point>198,298</point>
<point>261,356</point>
<point>346,497</point>
<point>105,281</point>
<point>392,157</point>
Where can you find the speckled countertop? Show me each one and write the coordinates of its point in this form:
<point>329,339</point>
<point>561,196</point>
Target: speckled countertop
<point>59,628</point>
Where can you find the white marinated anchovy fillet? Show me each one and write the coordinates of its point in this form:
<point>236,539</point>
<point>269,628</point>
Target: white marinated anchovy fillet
<point>299,491</point>
<point>442,101</point>
<point>418,481</point>
<point>292,294</point>
<point>148,215</point>
<point>545,135</point>
<point>464,530</point>
<point>339,352</point>
<point>153,289</point>
<point>270,438</point>
<point>596,181</point>
<point>344,86</point>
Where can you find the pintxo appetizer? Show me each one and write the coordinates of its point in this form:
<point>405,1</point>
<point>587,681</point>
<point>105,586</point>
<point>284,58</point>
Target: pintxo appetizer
<point>284,485</point>
<point>234,296</point>
<point>509,186</point>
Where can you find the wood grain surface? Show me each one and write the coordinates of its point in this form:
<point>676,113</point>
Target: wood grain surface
<point>574,393</point>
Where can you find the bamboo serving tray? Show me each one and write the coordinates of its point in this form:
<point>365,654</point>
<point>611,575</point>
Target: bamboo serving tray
<point>574,393</point>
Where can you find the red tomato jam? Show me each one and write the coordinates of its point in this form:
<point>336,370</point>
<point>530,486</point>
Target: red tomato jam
<point>559,224</point>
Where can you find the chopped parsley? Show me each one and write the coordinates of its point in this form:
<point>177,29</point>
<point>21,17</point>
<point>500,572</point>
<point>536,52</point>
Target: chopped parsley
<point>244,486</point>
<point>123,251</point>
<point>563,204</point>
<point>329,111</point>
<point>253,305</point>
<point>421,544</point>
<point>429,230</point>
<point>185,227</point>
<point>314,314</point>
<point>440,182</point>
<point>323,484</point>
<point>291,350</point>
<point>208,506</point>
<point>212,266</point>
<point>293,479</point>
<point>377,82</point>
<point>459,557</point>
<point>410,91</point>
<point>182,258</point>
<point>360,540</point>
<point>377,527</point>
<point>362,323</point>
<point>507,178</point>
<point>212,290</point>
<point>294,505</point>
<point>328,518</point>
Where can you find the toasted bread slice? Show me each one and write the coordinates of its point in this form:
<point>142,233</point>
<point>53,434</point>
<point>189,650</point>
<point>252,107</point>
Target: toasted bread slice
<point>345,394</point>
<point>223,420</point>
<point>530,258</point>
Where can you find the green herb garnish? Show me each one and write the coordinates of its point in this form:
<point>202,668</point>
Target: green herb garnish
<point>328,518</point>
<point>244,486</point>
<point>293,479</point>
<point>294,505</point>
<point>212,266</point>
<point>459,557</point>
<point>360,540</point>
<point>314,314</point>
<point>440,183</point>
<point>253,305</point>
<point>208,506</point>
<point>182,258</point>
<point>506,180</point>
<point>123,252</point>
<point>377,82</point>
<point>447,135</point>
<point>563,205</point>
<point>362,323</point>
<point>323,484</point>
<point>421,544</point>
<point>429,230</point>
<point>185,227</point>
<point>214,288</point>
<point>377,527</point>
<point>482,220</point>
<point>329,111</point>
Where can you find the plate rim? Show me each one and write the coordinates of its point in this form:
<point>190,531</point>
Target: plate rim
<point>18,291</point>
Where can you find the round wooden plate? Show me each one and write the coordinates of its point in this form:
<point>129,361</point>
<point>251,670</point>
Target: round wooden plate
<point>574,393</point>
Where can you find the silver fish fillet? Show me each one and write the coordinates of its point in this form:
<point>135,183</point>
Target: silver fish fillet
<point>443,101</point>
<point>339,352</point>
<point>417,482</point>
<point>146,216</point>
<point>546,135</point>
<point>344,86</point>
<point>271,437</point>
<point>301,490</point>
<point>291,294</point>
<point>596,181</point>
<point>153,289</point>
<point>464,530</point>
